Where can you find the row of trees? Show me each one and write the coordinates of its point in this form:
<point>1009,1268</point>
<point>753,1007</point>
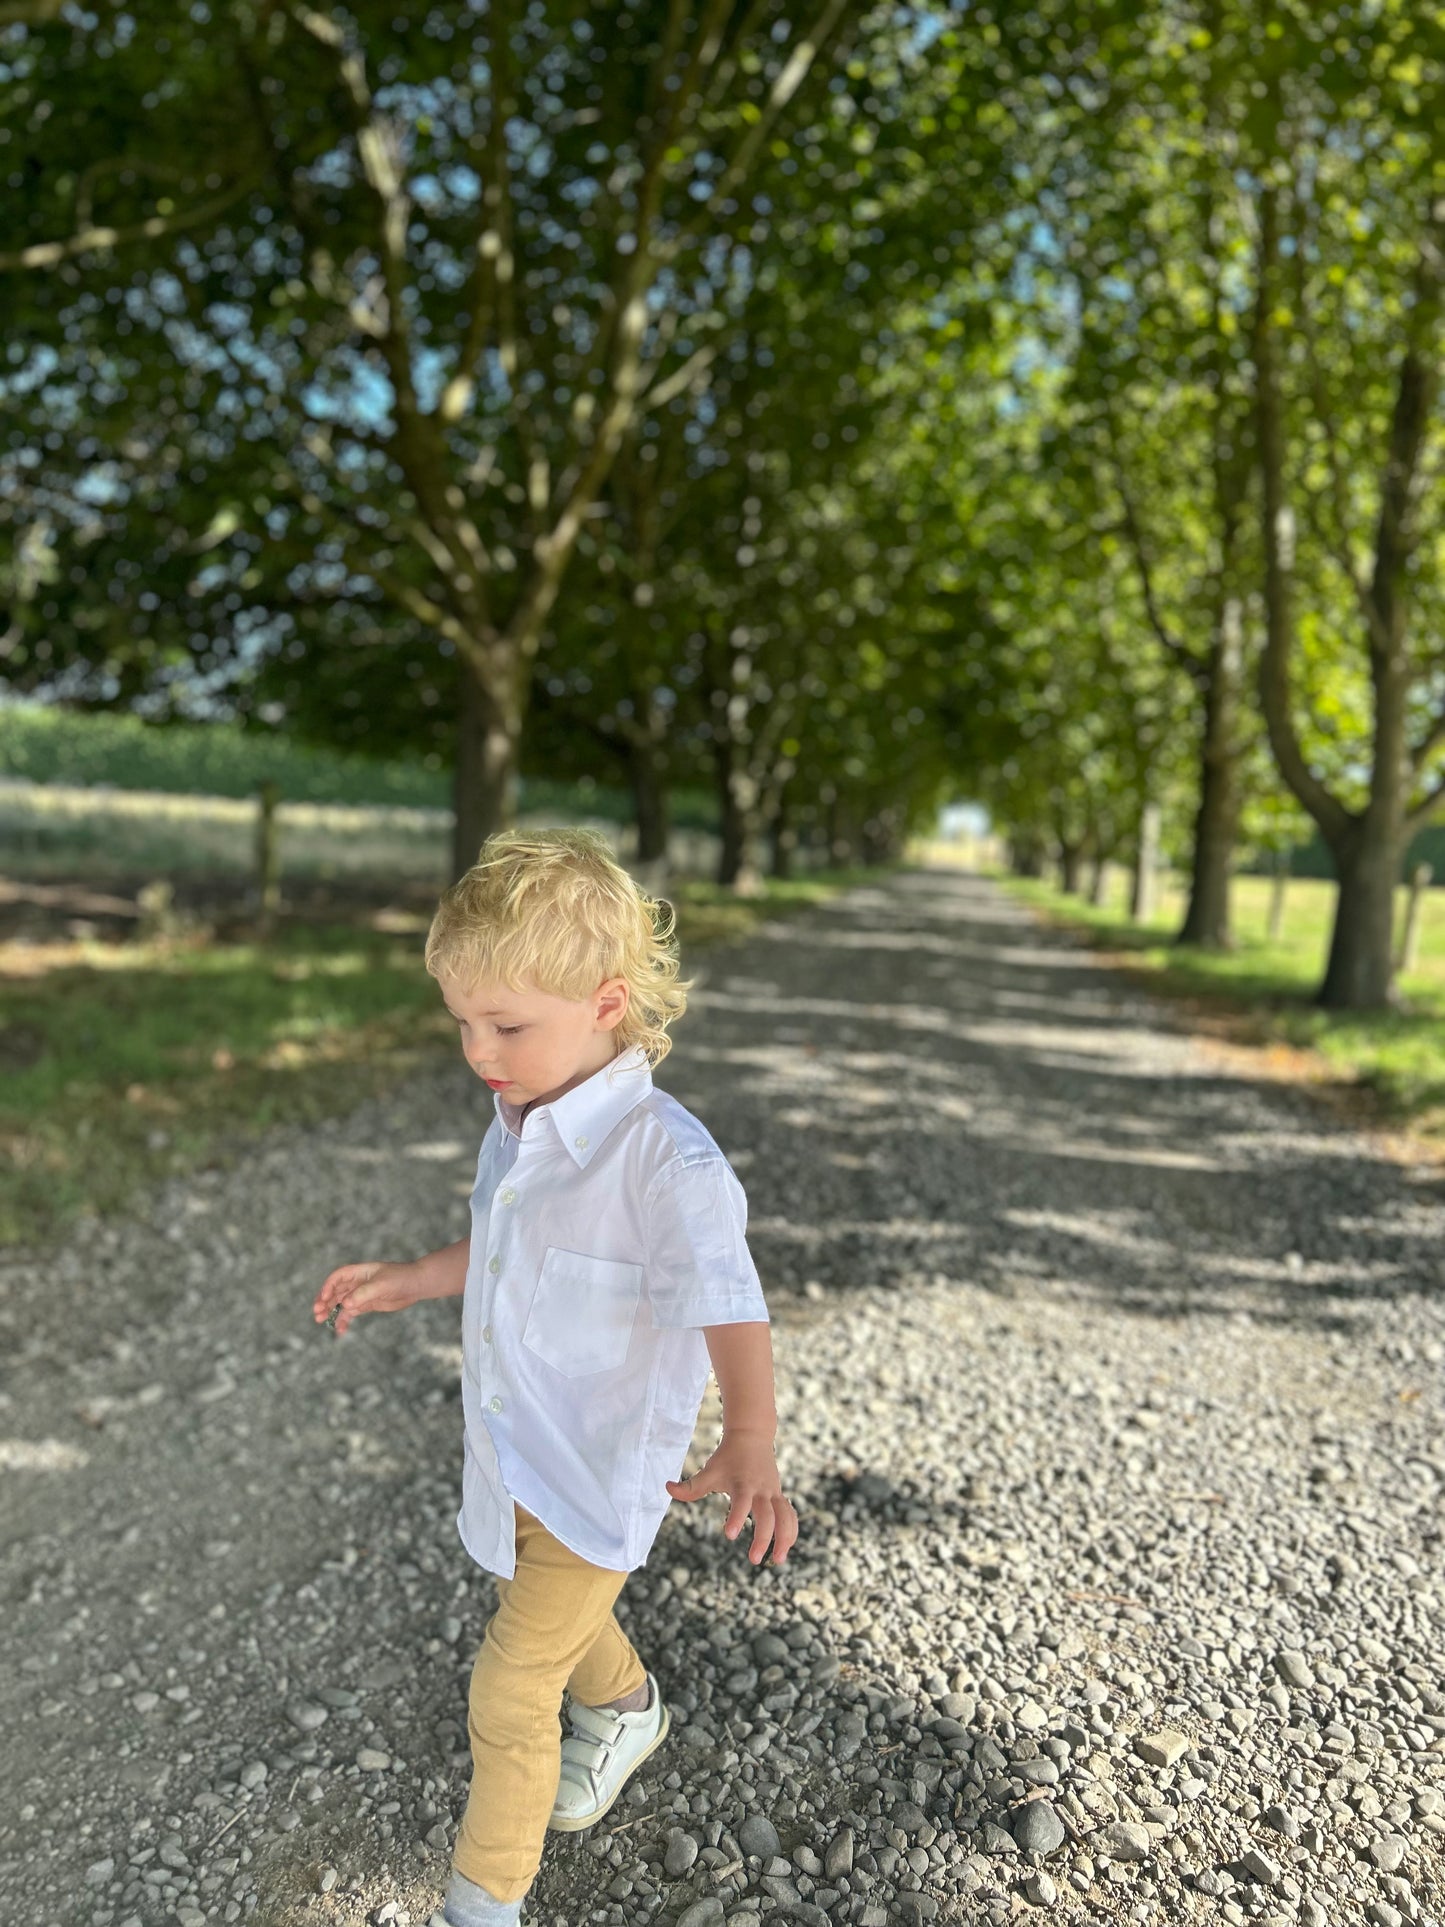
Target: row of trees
<point>852,406</point>
<point>354,341</point>
<point>1229,445</point>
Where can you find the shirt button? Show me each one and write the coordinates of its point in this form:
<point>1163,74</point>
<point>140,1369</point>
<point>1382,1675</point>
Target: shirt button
<point>496,1405</point>
<point>486,1334</point>
<point>509,1196</point>
<point>494,1264</point>
<point>580,1142</point>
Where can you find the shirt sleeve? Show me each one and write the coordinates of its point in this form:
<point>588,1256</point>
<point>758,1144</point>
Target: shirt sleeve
<point>699,1268</point>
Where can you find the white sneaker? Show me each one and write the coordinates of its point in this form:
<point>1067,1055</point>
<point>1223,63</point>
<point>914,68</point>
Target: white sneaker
<point>599,1756</point>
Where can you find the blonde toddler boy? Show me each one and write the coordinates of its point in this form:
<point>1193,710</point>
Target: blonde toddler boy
<point>605,1272</point>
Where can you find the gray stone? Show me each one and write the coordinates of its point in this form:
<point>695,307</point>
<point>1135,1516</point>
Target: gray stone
<point>1122,1840</point>
<point>680,1855</point>
<point>1037,1828</point>
<point>1294,1669</point>
<point>372,1760</point>
<point>850,1731</point>
<point>758,1835</point>
<point>908,1818</point>
<point>306,1715</point>
<point>1259,1866</point>
<point>839,1857</point>
<point>1389,1852</point>
<point>1161,1749</point>
<point>1281,1821</point>
<point>707,1912</point>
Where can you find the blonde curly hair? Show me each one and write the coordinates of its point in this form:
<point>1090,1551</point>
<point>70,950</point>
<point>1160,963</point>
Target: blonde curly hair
<point>553,910</point>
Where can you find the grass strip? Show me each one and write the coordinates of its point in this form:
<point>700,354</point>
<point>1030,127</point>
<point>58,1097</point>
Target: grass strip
<point>1267,987</point>
<point>123,1064</point>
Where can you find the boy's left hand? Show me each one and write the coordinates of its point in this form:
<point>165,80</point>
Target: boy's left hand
<point>744,1468</point>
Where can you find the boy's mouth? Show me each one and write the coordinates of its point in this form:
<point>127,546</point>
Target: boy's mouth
<point>497,1083</point>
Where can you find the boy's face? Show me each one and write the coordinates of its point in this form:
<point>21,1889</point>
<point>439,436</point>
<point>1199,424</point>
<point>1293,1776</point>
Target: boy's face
<point>531,1045</point>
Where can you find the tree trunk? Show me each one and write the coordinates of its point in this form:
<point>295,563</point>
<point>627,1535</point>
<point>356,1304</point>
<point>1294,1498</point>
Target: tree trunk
<point>842,849</point>
<point>1146,863</point>
<point>1071,868</point>
<point>1026,854</point>
<point>783,837</point>
<point>649,800</point>
<point>1099,881</point>
<point>1360,971</point>
<point>485,786</point>
<point>1206,921</point>
<point>737,810</point>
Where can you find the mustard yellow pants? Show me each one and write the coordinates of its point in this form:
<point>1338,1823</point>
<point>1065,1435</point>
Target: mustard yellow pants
<point>554,1627</point>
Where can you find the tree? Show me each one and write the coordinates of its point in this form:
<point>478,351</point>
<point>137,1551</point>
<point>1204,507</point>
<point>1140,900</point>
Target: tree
<point>447,267</point>
<point>1347,345</point>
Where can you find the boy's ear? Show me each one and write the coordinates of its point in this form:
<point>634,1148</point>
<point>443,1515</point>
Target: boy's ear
<point>611,1000</point>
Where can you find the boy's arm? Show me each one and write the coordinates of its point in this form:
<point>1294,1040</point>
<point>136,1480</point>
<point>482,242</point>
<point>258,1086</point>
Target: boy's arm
<point>742,1358</point>
<point>743,1466</point>
<point>443,1273</point>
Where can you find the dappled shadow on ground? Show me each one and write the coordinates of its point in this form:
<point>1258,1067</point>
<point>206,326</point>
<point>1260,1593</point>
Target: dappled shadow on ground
<point>964,1093</point>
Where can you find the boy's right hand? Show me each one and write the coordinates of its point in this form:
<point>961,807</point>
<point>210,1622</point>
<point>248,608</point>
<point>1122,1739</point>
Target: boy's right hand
<point>356,1289</point>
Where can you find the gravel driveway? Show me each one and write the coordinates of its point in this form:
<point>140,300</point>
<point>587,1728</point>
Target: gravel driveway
<point>1110,1399</point>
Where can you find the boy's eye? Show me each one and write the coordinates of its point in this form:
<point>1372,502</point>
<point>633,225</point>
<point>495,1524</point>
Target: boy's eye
<point>508,1030</point>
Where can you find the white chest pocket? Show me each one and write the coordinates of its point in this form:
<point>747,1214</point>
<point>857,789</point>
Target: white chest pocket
<point>582,1311</point>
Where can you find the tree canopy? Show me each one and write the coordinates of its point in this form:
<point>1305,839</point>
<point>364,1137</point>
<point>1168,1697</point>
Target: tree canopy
<point>850,407</point>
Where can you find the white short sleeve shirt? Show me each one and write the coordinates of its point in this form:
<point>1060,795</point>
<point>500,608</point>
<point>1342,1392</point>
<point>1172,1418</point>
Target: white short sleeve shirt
<point>607,1230</point>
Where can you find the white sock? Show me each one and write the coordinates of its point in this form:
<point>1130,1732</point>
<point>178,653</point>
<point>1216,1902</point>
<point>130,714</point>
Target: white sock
<point>645,1689</point>
<point>468,1905</point>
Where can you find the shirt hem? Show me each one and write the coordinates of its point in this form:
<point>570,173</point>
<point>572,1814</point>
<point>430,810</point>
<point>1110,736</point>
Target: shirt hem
<point>721,1311</point>
<point>604,1565</point>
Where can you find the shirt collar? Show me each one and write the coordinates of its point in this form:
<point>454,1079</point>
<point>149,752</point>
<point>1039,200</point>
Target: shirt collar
<point>585,1115</point>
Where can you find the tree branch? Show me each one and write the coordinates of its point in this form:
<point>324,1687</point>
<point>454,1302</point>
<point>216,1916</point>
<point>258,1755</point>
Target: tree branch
<point>1415,396</point>
<point>795,69</point>
<point>1274,666</point>
<point>1172,645</point>
<point>49,254</point>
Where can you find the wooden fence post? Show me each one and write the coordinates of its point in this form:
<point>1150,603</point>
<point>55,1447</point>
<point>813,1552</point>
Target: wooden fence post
<point>1409,952</point>
<point>1276,895</point>
<point>1146,865</point>
<point>268,858</point>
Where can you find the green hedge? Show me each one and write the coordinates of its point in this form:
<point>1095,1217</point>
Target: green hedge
<point>1313,859</point>
<point>121,751</point>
